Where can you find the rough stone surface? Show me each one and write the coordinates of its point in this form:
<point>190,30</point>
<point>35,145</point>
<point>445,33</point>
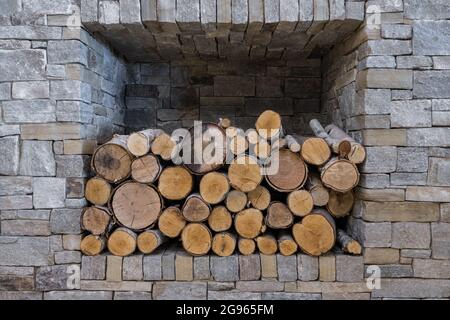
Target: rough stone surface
<point>37,158</point>
<point>381,255</point>
<point>65,221</point>
<point>412,288</point>
<point>132,268</point>
<point>50,194</point>
<point>249,267</point>
<point>380,160</point>
<point>287,267</point>
<point>225,268</point>
<point>411,113</point>
<point>427,268</point>
<point>179,291</point>
<point>431,84</point>
<point>124,295</point>
<point>152,267</point>
<point>22,64</point>
<point>440,244</point>
<point>439,172</point>
<point>78,295</point>
<point>308,267</point>
<point>424,31</point>
<point>53,278</point>
<point>411,235</point>
<point>93,267</point>
<point>9,155</point>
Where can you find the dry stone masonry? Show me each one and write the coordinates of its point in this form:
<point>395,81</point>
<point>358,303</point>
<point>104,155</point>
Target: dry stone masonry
<point>74,72</point>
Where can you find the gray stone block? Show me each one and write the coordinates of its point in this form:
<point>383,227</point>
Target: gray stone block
<point>234,86</point>
<point>290,296</point>
<point>67,51</point>
<point>412,160</point>
<point>431,84</point>
<point>24,251</point>
<point>29,111</point>
<point>74,111</point>
<point>130,12</point>
<point>408,179</point>
<point>225,268</point>
<point>15,202</point>
<point>396,271</point>
<point>78,295</point>
<point>429,137</point>
<point>22,64</point>
<point>427,268</point>
<point>260,286</point>
<point>5,91</point>
<point>132,295</point>
<point>70,90</point>
<point>50,194</point>
<point>66,257</point>
<point>429,37</point>
<point>414,62</point>
<point>233,295</point>
<point>441,63</point>
<point>20,295</point>
<point>9,155</point>
<point>439,172</point>
<point>109,12</point>
<point>72,165</point>
<point>65,221</point>
<point>287,267</point>
<point>201,268</point>
<point>349,268</point>
<point>15,185</point>
<point>440,244</point>
<point>411,113</point>
<point>375,101</point>
<point>308,267</point>
<point>30,90</point>
<point>89,11</point>
<point>53,278</point>
<point>396,31</point>
<point>179,291</point>
<point>93,267</point>
<point>411,235</point>
<point>25,228</point>
<point>412,288</point>
<point>380,160</point>
<point>427,9</point>
<point>249,267</point>
<point>152,267</point>
<point>239,14</point>
<point>132,268</point>
<point>37,158</point>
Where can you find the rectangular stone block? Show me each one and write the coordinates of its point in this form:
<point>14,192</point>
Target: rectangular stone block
<point>15,185</point>
<point>179,291</point>
<point>168,264</point>
<point>411,235</point>
<point>428,137</point>
<point>24,251</point>
<point>374,101</point>
<point>327,268</point>
<point>15,202</point>
<point>378,62</point>
<point>414,62</point>
<point>233,295</point>
<point>380,160</point>
<point>70,90</point>
<point>427,9</point>
<point>290,296</point>
<point>53,278</point>
<point>37,158</point>
<point>116,285</point>
<point>114,268</point>
<point>19,65</point>
<point>384,137</point>
<point>78,295</point>
<point>79,146</point>
<point>268,266</point>
<point>153,266</point>
<point>308,267</point>
<point>440,240</point>
<point>434,269</point>
<point>29,111</point>
<point>441,62</point>
<point>201,268</point>
<point>65,221</point>
<point>431,84</point>
<point>439,172</point>
<point>287,267</point>
<point>66,257</point>
<point>52,131</point>
<point>408,179</point>
<point>20,295</point>
<point>74,111</point>
<point>72,166</point>
<point>412,288</point>
<point>400,211</point>
<point>130,12</point>
<point>411,113</point>
<point>132,268</point>
<point>438,31</point>
<point>93,267</point>
<point>67,51</point>
<point>31,90</point>
<point>260,286</point>
<point>184,267</point>
<point>431,194</point>
<point>132,295</point>
<point>12,282</point>
<point>396,271</point>
<point>385,78</point>
<point>381,256</point>
<point>396,31</point>
<point>225,268</point>
<point>249,267</point>
<point>381,194</point>
<point>25,228</point>
<point>50,194</point>
<point>387,47</point>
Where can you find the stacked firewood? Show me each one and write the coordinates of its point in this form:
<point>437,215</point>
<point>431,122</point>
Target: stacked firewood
<point>145,193</point>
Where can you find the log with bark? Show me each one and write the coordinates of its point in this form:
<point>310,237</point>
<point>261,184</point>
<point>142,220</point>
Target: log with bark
<point>246,246</point>
<point>267,243</point>
<point>220,219</point>
<point>259,198</point>
<point>95,220</point>
<point>244,174</point>
<point>279,216</point>
<point>164,146</point>
<point>112,160</point>
<point>339,175</point>
<point>146,169</point>
<point>269,124</point>
<point>139,143</point>
<point>315,151</point>
<point>149,240</point>
<point>236,201</point>
<point>92,245</point>
<point>300,202</point>
<point>214,186</point>
<point>319,193</point>
<point>286,244</point>
<point>195,209</point>
<point>196,239</point>
<point>171,222</point>
<point>249,223</point>
<point>340,204</point>
<point>122,242</point>
<point>292,172</point>
<point>347,243</point>
<point>351,149</point>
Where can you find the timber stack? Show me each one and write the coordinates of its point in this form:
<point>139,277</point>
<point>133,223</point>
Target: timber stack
<point>244,191</point>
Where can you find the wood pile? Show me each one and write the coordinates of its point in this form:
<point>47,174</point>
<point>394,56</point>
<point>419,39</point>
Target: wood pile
<point>145,193</point>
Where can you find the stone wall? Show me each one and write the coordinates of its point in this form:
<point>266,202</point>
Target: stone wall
<point>172,95</point>
<point>62,92</point>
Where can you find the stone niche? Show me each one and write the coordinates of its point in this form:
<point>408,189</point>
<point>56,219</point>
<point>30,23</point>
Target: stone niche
<point>201,60</point>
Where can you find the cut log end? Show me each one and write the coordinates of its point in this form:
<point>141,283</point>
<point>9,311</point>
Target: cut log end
<point>97,191</point>
<point>95,220</point>
<point>279,216</point>
<point>163,146</point>
<point>146,169</point>
<point>246,246</point>
<point>347,243</point>
<point>315,151</point>
<point>267,244</point>
<point>316,233</point>
<point>224,244</point>
<point>195,209</point>
<point>112,161</point>
<point>175,183</point>
<point>259,198</point>
<point>213,187</point>
<point>122,242</point>
<point>249,223</point>
<point>291,174</point>
<point>244,174</point>
<point>300,202</point>
<point>92,245</point>
<point>136,205</point>
<point>149,240</point>
<point>196,239</point>
<point>340,175</point>
<point>268,124</point>
<point>236,201</point>
<point>287,245</point>
<point>220,219</point>
<point>171,222</point>
<point>340,204</point>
